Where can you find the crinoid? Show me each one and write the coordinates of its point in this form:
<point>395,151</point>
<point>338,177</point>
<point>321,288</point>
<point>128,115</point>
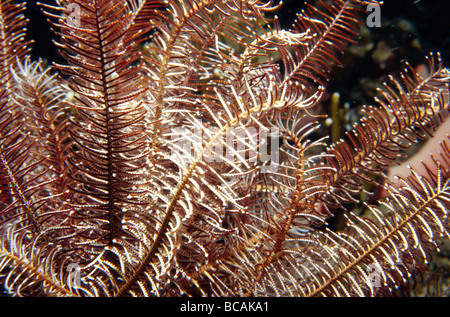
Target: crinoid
<point>174,154</point>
